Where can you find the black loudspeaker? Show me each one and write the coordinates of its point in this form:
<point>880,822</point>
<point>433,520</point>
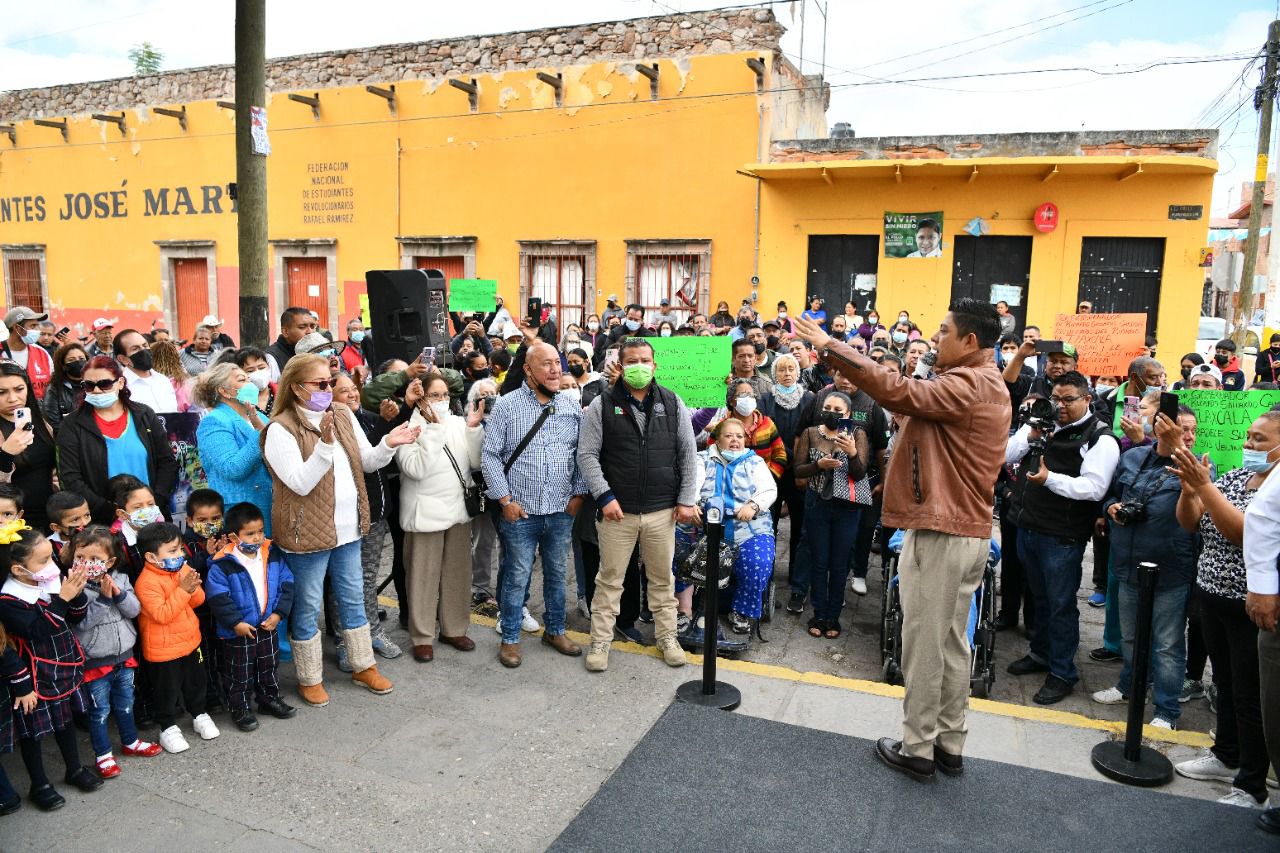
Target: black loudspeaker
<point>407,312</point>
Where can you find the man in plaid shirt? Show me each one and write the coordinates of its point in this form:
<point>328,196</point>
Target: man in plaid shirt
<point>539,491</point>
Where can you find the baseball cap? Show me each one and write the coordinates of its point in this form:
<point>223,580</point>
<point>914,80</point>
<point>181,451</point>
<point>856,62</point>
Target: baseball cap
<point>511,330</point>
<point>104,323</point>
<point>21,314</point>
<point>1202,369</point>
<point>664,301</point>
<point>1067,349</point>
<point>314,342</point>
<point>210,320</point>
<point>613,297</point>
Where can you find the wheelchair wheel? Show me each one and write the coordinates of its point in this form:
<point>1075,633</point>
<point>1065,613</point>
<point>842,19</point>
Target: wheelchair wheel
<point>770,601</point>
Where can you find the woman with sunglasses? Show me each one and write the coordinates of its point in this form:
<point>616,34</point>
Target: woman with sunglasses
<point>110,434</point>
<point>26,445</point>
<point>317,455</point>
<point>61,396</point>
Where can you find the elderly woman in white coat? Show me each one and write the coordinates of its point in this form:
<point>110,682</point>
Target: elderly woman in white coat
<point>434,470</point>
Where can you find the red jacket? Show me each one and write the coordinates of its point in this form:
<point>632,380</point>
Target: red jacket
<point>39,367</point>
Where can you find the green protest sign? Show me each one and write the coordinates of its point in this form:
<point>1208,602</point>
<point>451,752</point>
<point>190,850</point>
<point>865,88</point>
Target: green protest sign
<point>693,367</point>
<point>472,294</point>
<point>1223,420</point>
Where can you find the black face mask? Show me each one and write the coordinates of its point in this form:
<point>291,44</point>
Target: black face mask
<point>482,373</point>
<point>773,342</point>
<point>1186,373</point>
<point>577,370</point>
<point>141,360</point>
<point>758,347</point>
<point>1221,359</point>
<point>830,420</point>
<point>744,322</point>
<point>74,369</point>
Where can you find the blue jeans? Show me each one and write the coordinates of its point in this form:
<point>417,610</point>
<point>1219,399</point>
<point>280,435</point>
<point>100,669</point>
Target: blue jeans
<point>1168,645</point>
<point>346,577</point>
<point>112,692</point>
<point>548,536</point>
<point>831,526</point>
<point>1053,566</point>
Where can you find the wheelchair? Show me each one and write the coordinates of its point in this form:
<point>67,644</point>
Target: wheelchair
<point>728,644</point>
<point>981,628</point>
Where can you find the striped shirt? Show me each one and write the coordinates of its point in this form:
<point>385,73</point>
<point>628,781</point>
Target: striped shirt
<point>546,475</point>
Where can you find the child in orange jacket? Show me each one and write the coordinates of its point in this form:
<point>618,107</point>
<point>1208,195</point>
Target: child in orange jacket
<point>169,591</point>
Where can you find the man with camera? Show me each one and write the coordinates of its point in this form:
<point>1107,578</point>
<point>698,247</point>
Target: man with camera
<point>1066,457</point>
<point>1059,357</point>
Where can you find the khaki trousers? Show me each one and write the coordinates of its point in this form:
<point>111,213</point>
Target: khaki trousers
<point>438,575</point>
<point>938,574</point>
<point>655,532</point>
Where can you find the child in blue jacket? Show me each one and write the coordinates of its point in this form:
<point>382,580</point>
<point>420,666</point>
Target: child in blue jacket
<point>249,590</point>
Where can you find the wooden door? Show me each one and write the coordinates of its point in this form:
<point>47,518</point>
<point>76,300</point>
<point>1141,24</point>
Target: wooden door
<point>190,294</point>
<point>309,285</point>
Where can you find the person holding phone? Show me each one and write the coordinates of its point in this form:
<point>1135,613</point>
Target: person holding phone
<point>21,347</point>
<point>317,456</point>
<point>1060,357</point>
<point>26,444</point>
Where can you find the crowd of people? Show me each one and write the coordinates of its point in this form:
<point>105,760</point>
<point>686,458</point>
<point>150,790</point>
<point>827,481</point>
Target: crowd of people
<point>532,441</point>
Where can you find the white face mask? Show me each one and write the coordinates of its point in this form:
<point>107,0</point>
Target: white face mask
<point>260,378</point>
<point>593,325</point>
<point>440,410</point>
<point>745,406</point>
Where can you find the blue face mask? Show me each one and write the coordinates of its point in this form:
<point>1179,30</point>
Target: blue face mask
<point>784,389</point>
<point>357,337</point>
<point>1147,428</point>
<point>31,337</point>
<point>734,455</point>
<point>1255,461</point>
<point>632,325</point>
<point>172,564</point>
<point>250,548</point>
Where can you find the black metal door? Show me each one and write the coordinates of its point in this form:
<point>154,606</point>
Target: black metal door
<point>842,268</point>
<point>993,269</point>
<point>1121,275</point>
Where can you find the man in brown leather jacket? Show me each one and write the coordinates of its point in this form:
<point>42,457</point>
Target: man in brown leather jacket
<point>939,488</point>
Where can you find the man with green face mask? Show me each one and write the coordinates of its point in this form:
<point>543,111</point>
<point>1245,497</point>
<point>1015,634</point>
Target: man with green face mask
<point>636,451</point>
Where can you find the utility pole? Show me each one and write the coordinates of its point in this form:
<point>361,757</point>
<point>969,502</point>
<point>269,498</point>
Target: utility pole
<point>1264,100</point>
<point>251,171</point>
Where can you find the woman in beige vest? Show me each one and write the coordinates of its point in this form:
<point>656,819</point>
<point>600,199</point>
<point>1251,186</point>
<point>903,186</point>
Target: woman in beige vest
<point>317,455</point>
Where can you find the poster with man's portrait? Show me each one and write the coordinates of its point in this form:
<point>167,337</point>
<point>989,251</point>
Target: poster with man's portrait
<point>913,235</point>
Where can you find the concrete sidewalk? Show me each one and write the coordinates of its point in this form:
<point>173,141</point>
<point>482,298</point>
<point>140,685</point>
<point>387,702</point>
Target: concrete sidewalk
<point>466,755</point>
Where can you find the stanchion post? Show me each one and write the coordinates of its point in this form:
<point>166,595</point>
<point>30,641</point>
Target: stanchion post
<point>1130,762</point>
<point>708,692</point>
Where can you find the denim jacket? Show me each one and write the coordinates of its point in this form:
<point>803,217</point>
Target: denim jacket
<point>1144,476</point>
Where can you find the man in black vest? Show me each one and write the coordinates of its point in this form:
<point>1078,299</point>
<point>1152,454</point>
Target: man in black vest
<point>1054,507</point>
<point>636,451</point>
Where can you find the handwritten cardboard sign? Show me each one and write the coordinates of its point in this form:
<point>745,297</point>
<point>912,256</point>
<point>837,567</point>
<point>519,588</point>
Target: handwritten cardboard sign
<point>693,367</point>
<point>1224,418</point>
<point>472,294</point>
<point>1106,342</point>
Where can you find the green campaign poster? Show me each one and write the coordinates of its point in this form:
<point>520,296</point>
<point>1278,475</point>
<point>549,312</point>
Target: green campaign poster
<point>1223,419</point>
<point>913,235</point>
<point>693,367</point>
<point>472,294</point>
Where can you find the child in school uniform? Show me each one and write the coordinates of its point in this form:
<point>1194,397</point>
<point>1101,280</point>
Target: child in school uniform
<point>169,591</point>
<point>37,608</point>
<point>17,692</point>
<point>201,540</point>
<point>135,505</point>
<point>250,589</point>
<point>68,514</point>
<point>108,637</point>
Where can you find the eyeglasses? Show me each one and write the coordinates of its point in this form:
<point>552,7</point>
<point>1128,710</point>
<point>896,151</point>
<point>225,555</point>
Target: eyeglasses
<point>438,398</point>
<point>320,384</point>
<point>1066,401</point>
<point>101,385</point>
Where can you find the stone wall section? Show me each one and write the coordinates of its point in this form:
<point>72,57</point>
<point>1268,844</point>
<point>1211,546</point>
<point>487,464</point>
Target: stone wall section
<point>1123,143</point>
<point>668,37</point>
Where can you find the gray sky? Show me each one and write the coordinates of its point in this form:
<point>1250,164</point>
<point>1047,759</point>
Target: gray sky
<point>866,44</point>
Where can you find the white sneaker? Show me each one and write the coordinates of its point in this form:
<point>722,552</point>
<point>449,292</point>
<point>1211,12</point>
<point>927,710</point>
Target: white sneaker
<point>1162,723</point>
<point>497,627</point>
<point>1206,768</point>
<point>173,741</point>
<point>205,727</point>
<point>527,623</point>
<point>1244,799</point>
<point>859,586</point>
<point>584,607</point>
<point>1112,696</point>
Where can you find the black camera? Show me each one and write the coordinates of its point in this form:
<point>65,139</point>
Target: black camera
<point>1130,513</point>
<point>1040,414</point>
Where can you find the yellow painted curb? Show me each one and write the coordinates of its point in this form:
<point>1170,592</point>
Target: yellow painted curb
<point>893,691</point>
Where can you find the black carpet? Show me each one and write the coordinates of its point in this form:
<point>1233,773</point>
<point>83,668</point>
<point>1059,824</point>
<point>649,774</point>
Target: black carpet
<point>774,786</point>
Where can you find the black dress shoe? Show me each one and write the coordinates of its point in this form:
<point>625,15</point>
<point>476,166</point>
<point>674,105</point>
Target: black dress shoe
<point>46,798</point>
<point>1054,691</point>
<point>1004,623</point>
<point>1026,665</point>
<point>1103,654</point>
<point>950,763</point>
<point>890,752</point>
<point>277,708</point>
<point>85,779</point>
<point>244,719</point>
<point>1269,821</point>
<point>11,806</point>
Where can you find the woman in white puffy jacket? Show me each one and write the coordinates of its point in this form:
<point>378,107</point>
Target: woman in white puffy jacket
<point>437,542</point>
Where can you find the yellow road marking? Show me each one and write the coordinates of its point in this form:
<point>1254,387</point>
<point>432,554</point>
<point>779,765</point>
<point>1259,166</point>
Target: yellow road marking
<point>879,688</point>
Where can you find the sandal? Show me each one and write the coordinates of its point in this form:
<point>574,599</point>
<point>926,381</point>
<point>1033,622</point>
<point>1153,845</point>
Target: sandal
<point>816,627</point>
<point>831,630</point>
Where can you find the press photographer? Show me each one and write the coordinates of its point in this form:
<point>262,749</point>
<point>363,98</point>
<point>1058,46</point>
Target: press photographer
<point>1066,457</point>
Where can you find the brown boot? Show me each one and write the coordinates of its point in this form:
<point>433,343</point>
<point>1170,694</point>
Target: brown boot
<point>562,644</point>
<point>509,655</point>
<point>313,694</point>
<point>372,680</point>
<point>309,661</point>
